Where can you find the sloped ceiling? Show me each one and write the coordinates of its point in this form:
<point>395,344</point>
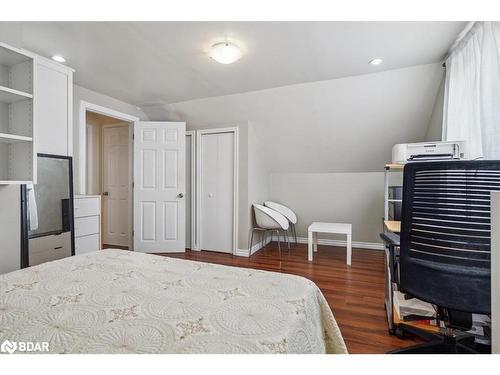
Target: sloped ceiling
<point>342,125</point>
<point>166,62</point>
<point>315,102</point>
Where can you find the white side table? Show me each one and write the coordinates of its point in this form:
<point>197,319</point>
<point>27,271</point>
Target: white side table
<point>336,228</point>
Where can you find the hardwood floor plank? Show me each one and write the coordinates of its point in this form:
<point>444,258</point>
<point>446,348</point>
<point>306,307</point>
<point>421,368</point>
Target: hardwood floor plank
<point>355,294</point>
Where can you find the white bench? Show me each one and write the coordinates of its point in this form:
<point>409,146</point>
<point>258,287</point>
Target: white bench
<point>336,228</point>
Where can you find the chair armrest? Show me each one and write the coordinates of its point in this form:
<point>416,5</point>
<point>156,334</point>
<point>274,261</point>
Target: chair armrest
<point>390,238</point>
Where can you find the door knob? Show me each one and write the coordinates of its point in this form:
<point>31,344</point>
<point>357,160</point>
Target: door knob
<point>106,193</point>
<point>180,195</point>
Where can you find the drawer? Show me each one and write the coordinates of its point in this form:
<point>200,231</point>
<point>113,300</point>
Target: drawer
<point>86,207</point>
<point>48,248</point>
<point>86,225</point>
<point>86,244</point>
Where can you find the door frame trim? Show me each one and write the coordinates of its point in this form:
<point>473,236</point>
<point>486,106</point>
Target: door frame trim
<point>199,134</point>
<point>130,127</point>
<point>194,198</point>
<point>82,136</point>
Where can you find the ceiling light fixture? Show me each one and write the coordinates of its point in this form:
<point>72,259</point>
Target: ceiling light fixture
<point>376,61</point>
<point>58,58</point>
<point>225,53</point>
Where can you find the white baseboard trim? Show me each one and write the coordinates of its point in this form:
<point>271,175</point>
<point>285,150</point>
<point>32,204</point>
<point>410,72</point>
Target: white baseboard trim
<point>258,246</point>
<point>253,250</point>
<point>323,242</point>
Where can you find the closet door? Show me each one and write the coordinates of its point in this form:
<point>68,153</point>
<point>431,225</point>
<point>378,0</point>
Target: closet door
<point>216,205</point>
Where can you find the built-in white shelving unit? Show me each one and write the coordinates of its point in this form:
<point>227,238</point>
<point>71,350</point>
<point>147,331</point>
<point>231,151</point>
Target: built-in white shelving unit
<point>17,128</point>
<point>390,225</point>
<point>12,138</point>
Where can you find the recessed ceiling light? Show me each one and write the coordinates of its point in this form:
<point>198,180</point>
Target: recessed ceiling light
<point>376,61</point>
<point>59,58</point>
<point>225,53</point>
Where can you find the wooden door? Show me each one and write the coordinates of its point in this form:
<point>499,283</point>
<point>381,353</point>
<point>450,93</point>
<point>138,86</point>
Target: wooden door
<point>116,185</point>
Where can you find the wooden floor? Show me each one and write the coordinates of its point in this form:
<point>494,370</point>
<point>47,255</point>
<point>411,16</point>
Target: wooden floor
<point>355,294</point>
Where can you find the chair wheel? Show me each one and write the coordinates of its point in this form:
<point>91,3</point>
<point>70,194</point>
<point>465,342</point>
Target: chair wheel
<point>392,331</point>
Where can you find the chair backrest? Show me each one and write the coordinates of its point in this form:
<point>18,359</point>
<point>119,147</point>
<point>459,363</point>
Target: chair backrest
<point>445,233</point>
<point>284,210</point>
<point>269,219</point>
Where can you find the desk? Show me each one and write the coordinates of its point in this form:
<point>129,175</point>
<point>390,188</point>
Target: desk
<point>335,228</point>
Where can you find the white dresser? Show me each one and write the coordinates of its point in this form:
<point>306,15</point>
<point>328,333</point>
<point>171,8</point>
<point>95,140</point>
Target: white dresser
<point>87,210</point>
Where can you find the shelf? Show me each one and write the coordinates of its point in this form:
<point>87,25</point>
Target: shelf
<point>394,200</point>
<point>13,182</point>
<point>11,138</point>
<point>10,56</point>
<point>425,326</point>
<point>8,95</point>
<point>393,226</point>
<point>17,125</point>
<point>397,167</point>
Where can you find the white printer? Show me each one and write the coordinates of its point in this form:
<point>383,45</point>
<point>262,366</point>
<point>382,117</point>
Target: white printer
<point>425,151</point>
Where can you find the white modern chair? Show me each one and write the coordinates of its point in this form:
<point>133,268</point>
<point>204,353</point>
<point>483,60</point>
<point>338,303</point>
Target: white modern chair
<point>286,212</point>
<point>268,219</point>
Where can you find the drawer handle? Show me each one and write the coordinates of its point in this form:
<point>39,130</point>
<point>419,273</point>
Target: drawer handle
<point>58,247</point>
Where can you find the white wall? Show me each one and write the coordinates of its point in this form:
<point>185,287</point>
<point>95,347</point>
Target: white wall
<point>258,176</point>
<point>320,147</point>
<point>93,129</point>
<point>435,128</point>
<point>243,215</point>
<point>83,94</point>
<point>343,125</point>
<point>356,198</point>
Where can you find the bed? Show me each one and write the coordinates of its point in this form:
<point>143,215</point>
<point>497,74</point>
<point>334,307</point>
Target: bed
<point>116,301</point>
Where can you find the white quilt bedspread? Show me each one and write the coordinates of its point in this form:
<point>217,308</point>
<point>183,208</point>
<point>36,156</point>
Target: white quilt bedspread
<point>116,301</point>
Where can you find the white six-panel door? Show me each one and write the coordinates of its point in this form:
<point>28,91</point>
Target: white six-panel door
<point>115,188</point>
<point>159,186</point>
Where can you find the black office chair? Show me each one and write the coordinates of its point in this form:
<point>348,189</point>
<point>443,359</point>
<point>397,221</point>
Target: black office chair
<point>445,244</point>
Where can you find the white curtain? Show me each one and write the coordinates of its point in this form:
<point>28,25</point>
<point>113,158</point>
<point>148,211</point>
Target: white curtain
<point>472,96</point>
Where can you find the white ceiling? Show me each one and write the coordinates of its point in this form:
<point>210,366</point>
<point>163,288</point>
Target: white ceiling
<point>166,62</point>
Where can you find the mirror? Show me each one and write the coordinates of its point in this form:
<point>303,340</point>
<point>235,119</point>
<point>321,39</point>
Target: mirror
<point>51,194</point>
<point>48,212</point>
